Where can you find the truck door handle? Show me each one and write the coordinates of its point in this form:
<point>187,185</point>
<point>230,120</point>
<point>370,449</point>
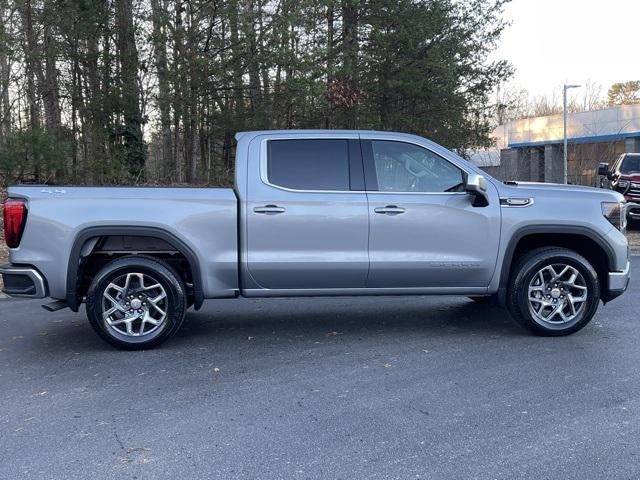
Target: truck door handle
<point>269,209</point>
<point>390,210</point>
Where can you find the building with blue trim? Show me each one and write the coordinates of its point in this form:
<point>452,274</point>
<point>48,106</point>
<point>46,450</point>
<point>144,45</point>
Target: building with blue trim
<point>532,148</point>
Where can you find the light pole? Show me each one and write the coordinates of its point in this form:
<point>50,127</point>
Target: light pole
<point>564,110</point>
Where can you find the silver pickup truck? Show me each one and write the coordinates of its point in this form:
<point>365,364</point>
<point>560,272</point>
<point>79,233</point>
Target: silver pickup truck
<point>318,213</point>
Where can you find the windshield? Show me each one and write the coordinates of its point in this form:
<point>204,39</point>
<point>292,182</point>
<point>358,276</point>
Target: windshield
<point>630,164</point>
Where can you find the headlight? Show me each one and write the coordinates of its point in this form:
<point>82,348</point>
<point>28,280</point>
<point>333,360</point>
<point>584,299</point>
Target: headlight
<point>623,183</point>
<point>615,212</point>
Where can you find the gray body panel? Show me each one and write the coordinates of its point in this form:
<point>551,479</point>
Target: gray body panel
<point>429,244</point>
<point>204,219</point>
<point>440,241</point>
<point>560,208</point>
<point>321,243</point>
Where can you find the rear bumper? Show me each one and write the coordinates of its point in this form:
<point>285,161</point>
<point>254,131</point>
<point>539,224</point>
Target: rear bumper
<point>23,281</point>
<point>617,283</point>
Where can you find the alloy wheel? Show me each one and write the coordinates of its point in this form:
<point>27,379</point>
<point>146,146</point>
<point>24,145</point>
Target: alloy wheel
<point>134,305</point>
<point>557,295</point>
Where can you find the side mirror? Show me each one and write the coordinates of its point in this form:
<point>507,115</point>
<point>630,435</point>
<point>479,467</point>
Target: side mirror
<point>476,185</point>
<point>603,169</point>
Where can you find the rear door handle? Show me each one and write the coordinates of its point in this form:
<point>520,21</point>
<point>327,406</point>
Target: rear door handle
<point>390,210</point>
<point>269,209</point>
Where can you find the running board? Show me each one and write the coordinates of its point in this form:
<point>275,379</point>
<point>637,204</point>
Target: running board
<point>55,306</point>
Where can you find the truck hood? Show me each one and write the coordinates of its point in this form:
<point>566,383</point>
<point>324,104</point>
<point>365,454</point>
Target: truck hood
<point>538,188</point>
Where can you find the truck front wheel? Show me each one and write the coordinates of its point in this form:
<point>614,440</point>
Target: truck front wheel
<point>136,303</point>
<point>553,291</point>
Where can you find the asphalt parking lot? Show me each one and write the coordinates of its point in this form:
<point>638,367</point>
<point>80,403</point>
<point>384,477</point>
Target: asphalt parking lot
<point>347,388</point>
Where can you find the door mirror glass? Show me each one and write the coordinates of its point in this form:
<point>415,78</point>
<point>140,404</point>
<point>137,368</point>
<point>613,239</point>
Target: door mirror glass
<point>477,186</point>
<point>603,169</point>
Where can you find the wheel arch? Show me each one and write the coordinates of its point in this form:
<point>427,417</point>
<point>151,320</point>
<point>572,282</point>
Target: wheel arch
<point>86,236</point>
<point>582,240</point>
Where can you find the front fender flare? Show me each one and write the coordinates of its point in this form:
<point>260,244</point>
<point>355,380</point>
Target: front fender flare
<point>527,230</point>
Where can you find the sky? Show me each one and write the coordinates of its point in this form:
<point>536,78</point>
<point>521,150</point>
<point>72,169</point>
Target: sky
<point>552,42</point>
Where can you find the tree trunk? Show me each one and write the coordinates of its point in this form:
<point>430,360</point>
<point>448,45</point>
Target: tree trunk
<point>164,89</point>
<point>350,54</point>
<point>135,150</point>
<point>177,88</point>
<point>251,55</point>
<point>236,53</point>
<point>30,55</point>
<point>49,81</point>
<point>5,106</point>
<point>191,141</point>
<point>330,60</point>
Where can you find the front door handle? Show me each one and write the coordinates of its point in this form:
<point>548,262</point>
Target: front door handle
<point>269,209</point>
<point>390,210</point>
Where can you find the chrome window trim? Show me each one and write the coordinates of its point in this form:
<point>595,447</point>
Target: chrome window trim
<point>376,192</point>
<point>264,158</point>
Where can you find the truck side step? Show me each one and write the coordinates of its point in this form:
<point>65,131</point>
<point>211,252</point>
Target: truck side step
<point>55,306</point>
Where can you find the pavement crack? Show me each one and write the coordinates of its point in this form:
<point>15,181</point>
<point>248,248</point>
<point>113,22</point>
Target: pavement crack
<point>114,429</point>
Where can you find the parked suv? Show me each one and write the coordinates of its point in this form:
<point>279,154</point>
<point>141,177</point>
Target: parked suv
<point>318,213</point>
<point>624,176</point>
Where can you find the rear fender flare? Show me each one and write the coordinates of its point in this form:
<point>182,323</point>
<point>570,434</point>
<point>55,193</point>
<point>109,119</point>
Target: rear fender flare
<point>77,251</point>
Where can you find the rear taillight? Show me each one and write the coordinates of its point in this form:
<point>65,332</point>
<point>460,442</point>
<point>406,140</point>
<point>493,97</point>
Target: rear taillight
<point>15,218</point>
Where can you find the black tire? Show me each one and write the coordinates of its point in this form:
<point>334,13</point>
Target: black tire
<point>521,276</point>
<point>174,303</point>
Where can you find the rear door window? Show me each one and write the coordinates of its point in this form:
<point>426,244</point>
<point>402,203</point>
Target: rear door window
<point>310,164</point>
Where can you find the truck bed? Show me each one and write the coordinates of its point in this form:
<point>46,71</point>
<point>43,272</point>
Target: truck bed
<point>204,219</point>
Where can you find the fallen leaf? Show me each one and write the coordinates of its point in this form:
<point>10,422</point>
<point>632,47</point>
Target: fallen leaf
<point>138,449</point>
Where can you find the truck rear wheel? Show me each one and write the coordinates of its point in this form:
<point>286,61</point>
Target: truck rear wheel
<point>553,291</point>
<point>136,303</point>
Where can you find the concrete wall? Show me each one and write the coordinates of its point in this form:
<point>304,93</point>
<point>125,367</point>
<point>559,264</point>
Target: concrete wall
<point>545,164</point>
<point>622,121</point>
